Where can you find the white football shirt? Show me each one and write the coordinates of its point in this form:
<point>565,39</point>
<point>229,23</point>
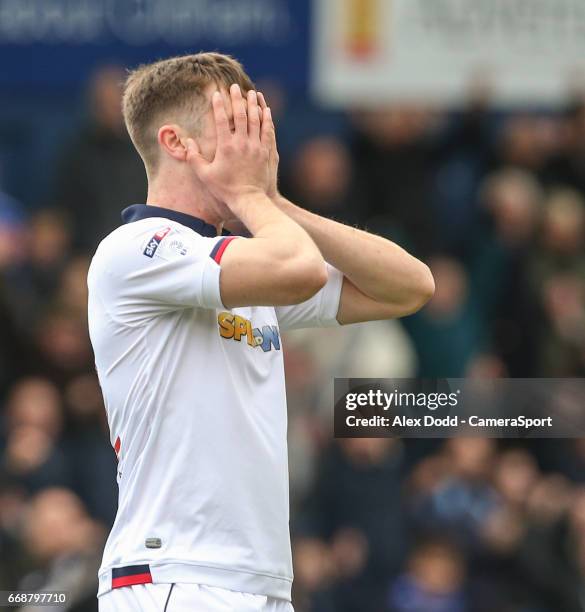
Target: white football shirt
<point>195,399</point>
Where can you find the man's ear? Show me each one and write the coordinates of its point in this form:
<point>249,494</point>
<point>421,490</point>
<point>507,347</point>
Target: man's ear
<point>171,141</point>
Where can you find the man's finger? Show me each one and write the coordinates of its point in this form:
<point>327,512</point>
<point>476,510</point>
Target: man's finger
<point>262,100</point>
<point>194,156</point>
<point>253,116</point>
<point>222,123</point>
<point>261,105</point>
<point>239,110</point>
<point>268,136</point>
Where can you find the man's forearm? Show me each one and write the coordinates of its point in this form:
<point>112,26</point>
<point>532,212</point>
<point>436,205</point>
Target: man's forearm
<point>376,266</point>
<point>266,221</point>
<point>280,249</point>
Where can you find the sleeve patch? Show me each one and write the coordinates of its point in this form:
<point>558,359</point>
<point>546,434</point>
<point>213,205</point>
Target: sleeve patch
<point>219,248</point>
<point>153,244</point>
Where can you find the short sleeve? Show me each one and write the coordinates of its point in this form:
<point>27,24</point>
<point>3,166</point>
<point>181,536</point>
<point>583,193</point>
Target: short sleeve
<point>318,311</point>
<point>163,269</point>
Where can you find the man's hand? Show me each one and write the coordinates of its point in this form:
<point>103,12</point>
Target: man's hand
<point>241,163</point>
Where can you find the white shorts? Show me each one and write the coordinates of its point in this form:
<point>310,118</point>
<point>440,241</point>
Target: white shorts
<point>182,597</point>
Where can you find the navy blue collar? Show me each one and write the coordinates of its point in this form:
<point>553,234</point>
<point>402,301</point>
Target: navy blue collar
<point>137,212</point>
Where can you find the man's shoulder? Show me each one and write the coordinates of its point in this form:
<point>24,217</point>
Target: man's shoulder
<point>141,243</point>
<point>141,237</point>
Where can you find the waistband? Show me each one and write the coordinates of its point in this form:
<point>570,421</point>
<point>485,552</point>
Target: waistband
<point>255,583</point>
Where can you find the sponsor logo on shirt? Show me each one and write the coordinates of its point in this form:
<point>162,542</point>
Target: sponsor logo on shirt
<point>155,241</point>
<point>236,327</point>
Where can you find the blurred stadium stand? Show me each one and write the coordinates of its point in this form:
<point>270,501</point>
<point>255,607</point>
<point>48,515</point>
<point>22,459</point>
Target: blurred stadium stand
<point>493,198</point>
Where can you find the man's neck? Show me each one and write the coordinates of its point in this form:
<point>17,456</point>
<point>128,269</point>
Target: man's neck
<point>184,200</point>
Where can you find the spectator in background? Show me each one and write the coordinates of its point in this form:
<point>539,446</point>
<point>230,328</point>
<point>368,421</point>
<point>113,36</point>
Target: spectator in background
<point>63,345</point>
<point>462,155</point>
<point>315,574</point>
<point>48,253</point>
<point>563,235</point>
<point>499,256</point>
<point>450,331</point>
<point>392,157</point>
<point>547,543</point>
<point>321,179</point>
<point>434,581</point>
<point>498,578</point>
<point>515,474</point>
<point>63,546</point>
<point>35,275</point>
<point>558,273</point>
<point>552,552</point>
<point>526,142</point>
<point>451,494</point>
<point>100,172</point>
<point>31,455</point>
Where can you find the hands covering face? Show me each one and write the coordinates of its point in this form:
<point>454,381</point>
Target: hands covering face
<point>246,159</point>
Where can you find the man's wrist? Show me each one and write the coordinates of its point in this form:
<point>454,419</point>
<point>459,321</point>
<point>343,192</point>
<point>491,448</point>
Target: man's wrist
<point>245,197</point>
<point>250,206</point>
<point>273,193</point>
<point>283,204</point>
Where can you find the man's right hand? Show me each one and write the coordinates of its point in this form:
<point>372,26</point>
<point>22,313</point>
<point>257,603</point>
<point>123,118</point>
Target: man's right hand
<point>241,163</point>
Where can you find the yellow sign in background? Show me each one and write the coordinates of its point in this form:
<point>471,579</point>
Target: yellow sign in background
<point>363,28</point>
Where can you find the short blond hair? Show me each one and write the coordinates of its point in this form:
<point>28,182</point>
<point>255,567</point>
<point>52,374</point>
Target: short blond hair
<point>162,91</point>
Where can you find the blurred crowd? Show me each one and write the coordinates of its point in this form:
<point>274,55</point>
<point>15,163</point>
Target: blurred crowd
<point>494,202</point>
